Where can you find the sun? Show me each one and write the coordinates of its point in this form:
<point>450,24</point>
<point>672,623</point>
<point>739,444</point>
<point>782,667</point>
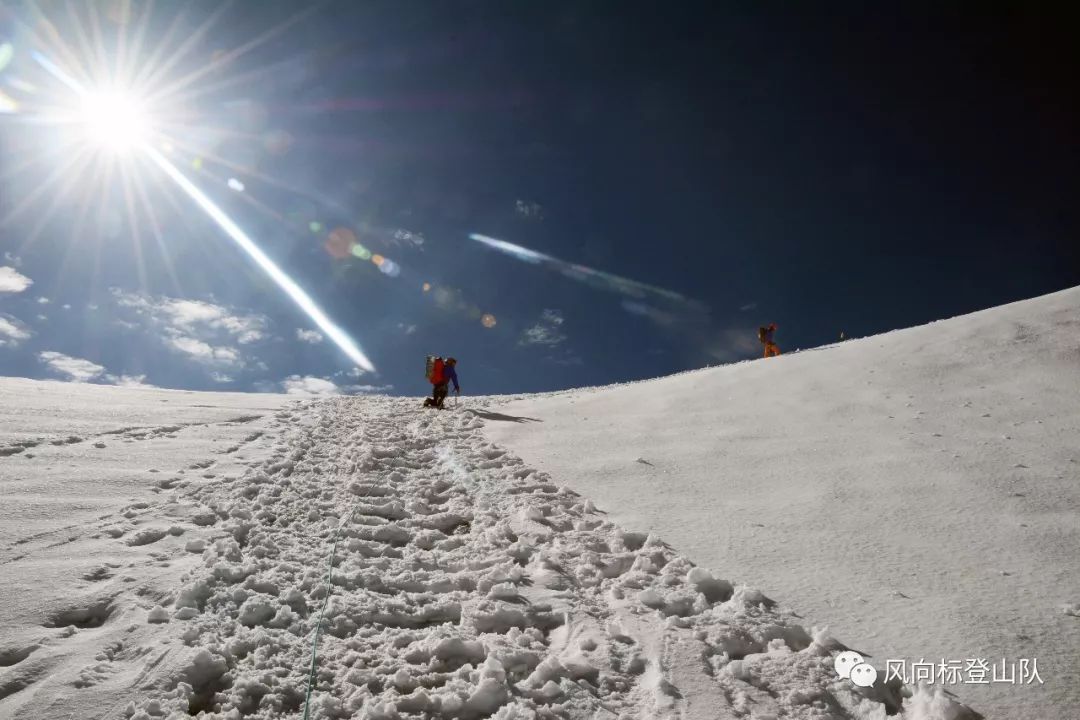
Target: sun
<point>114,120</point>
<point>121,112</point>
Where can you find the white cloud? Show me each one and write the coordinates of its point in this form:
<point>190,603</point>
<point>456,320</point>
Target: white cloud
<point>529,209</point>
<point>12,331</point>
<point>66,306</point>
<point>189,313</point>
<point>80,370</point>
<point>309,336</point>
<point>192,316</point>
<point>401,235</point>
<point>227,355</point>
<point>367,389</point>
<point>221,377</point>
<point>545,332</point>
<point>748,306</point>
<point>76,369</point>
<point>43,301</point>
<point>191,346</point>
<point>246,329</point>
<point>309,385</point>
<point>129,381</point>
<point>15,260</point>
<point>13,281</point>
<point>200,330</point>
<point>205,352</point>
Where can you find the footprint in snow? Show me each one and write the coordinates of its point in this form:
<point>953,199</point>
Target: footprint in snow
<point>15,656</point>
<point>146,536</point>
<point>97,574</point>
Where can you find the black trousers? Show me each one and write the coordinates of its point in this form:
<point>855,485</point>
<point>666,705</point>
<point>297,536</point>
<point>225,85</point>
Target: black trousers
<point>439,393</point>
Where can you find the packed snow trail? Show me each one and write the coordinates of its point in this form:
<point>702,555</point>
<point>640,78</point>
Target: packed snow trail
<point>466,585</point>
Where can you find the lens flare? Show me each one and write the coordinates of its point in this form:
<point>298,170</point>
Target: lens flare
<point>361,252</point>
<point>339,243</point>
<point>114,120</point>
<point>8,105</point>
<point>599,279</point>
<point>6,53</point>
<point>114,104</point>
<point>277,142</point>
<point>119,11</point>
<point>21,85</point>
<point>389,267</point>
<point>521,253</point>
<point>286,283</point>
<point>488,320</point>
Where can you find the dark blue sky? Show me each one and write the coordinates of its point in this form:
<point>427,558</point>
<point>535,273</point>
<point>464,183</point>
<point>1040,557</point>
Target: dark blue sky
<point>850,168</point>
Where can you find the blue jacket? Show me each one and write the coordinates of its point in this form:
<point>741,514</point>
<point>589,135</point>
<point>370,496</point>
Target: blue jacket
<point>450,373</point>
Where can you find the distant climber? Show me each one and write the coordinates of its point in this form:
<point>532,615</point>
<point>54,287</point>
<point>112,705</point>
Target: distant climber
<point>440,373</point>
<point>765,335</point>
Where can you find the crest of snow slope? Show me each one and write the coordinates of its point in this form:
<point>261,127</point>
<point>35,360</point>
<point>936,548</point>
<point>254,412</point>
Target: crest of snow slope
<point>466,585</point>
<point>918,491</point>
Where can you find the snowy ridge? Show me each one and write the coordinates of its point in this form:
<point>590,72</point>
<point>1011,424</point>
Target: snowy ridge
<point>917,491</point>
<point>466,585</point>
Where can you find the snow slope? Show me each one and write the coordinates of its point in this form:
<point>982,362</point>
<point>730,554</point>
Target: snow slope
<point>918,492</point>
<point>90,528</point>
<point>465,583</point>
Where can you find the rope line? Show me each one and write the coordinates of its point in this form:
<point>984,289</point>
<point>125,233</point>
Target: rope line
<point>322,610</point>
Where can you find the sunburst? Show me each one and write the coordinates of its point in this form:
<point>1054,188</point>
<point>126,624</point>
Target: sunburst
<point>99,116</point>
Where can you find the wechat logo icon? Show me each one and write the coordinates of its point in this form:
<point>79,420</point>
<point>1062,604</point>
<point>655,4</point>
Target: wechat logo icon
<point>851,666</point>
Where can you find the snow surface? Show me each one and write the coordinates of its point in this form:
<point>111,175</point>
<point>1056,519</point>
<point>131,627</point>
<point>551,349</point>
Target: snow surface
<point>165,554</point>
<point>917,492</point>
<point>92,529</point>
<point>466,584</point>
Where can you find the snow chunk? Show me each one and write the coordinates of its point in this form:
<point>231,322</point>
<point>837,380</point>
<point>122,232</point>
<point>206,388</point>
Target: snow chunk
<point>257,610</point>
<point>158,615</point>
<point>651,598</point>
<point>934,704</point>
<point>713,589</point>
<point>195,546</point>
<point>489,695</point>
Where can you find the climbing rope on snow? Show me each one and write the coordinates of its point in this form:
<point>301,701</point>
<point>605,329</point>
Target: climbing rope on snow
<point>322,610</point>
